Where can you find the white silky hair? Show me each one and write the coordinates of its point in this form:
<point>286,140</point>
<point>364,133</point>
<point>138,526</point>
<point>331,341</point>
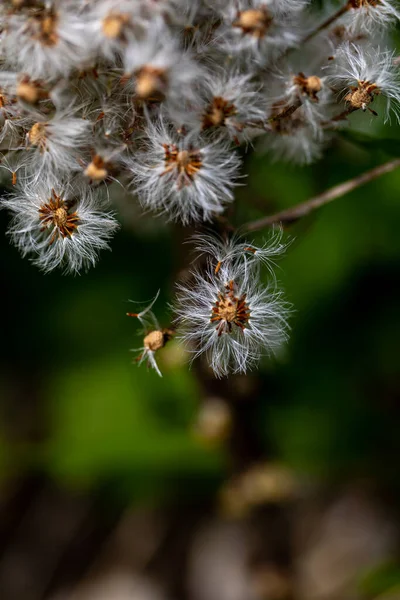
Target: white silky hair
<point>369,17</point>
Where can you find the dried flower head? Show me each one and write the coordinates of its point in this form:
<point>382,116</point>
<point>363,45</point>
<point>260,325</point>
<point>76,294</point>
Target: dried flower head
<point>360,74</point>
<point>183,175</point>
<point>59,226</point>
<point>154,338</point>
<point>227,313</point>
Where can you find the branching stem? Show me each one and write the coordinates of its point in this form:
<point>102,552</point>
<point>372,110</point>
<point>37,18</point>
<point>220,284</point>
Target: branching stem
<point>327,23</point>
<point>300,210</point>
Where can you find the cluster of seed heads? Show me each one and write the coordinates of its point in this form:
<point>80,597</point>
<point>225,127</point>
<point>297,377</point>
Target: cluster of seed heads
<point>156,96</point>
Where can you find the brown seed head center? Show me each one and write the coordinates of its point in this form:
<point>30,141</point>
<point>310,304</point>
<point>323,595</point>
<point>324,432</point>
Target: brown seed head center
<point>60,216</point>
<point>363,95</point>
<point>229,310</point>
<point>97,170</point>
<point>185,163</point>
<point>31,91</point>
<point>217,112</point>
<point>44,27</point>
<point>37,135</point>
<point>154,340</point>
<point>150,83</point>
<point>113,25</point>
<point>55,214</point>
<point>183,159</point>
<point>309,86</point>
<point>255,22</point>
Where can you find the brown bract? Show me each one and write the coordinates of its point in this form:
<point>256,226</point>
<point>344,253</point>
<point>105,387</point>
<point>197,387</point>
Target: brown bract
<point>186,163</point>
<point>55,214</point>
<point>363,3</point>
<point>362,95</point>
<point>217,112</point>
<point>255,22</point>
<point>230,310</point>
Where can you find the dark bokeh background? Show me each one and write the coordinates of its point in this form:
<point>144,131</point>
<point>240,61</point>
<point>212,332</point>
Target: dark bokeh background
<point>114,484</point>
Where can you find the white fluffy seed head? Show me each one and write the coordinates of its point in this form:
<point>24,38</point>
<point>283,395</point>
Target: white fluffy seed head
<point>61,226</point>
<point>361,74</point>
<point>183,175</point>
<point>225,311</point>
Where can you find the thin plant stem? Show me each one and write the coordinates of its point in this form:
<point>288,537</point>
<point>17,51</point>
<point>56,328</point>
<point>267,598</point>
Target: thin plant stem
<point>326,23</point>
<point>291,215</point>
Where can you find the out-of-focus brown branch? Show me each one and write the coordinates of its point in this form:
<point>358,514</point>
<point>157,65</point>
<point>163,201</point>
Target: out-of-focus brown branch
<point>328,22</point>
<point>300,210</point>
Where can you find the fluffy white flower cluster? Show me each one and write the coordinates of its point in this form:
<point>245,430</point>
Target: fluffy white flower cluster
<point>156,96</point>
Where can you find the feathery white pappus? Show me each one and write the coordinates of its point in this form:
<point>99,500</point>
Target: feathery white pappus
<point>154,338</point>
<point>365,15</point>
<point>61,226</point>
<point>183,174</point>
<point>360,74</point>
<point>226,312</point>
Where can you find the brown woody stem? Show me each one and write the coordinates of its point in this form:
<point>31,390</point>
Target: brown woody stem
<point>300,210</point>
<point>287,112</point>
<point>326,23</point>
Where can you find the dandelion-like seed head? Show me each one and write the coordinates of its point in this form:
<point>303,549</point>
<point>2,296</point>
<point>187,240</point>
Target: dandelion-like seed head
<point>225,311</point>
